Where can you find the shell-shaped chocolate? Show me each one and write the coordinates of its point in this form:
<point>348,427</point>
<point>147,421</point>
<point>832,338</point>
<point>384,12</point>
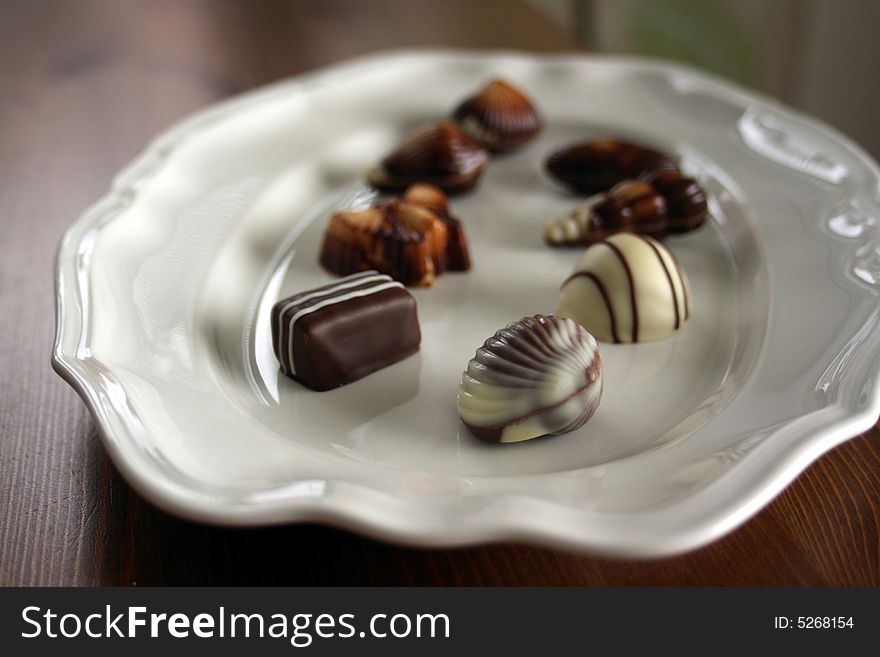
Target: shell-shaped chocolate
<point>439,154</point>
<point>581,226</point>
<point>539,376</point>
<point>628,288</point>
<point>576,227</point>
<point>685,199</point>
<point>500,117</point>
<point>595,166</point>
<point>630,206</point>
<point>636,204</point>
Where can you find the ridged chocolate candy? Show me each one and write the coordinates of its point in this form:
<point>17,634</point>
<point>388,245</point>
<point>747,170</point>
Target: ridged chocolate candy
<point>500,117</point>
<point>439,154</point>
<point>538,376</point>
<point>628,288</point>
<point>686,206</point>
<point>630,206</point>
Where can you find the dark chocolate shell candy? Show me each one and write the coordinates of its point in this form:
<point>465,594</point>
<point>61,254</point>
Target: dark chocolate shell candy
<point>630,206</point>
<point>439,154</point>
<point>595,166</point>
<point>500,117</point>
<point>636,204</point>
<point>686,204</point>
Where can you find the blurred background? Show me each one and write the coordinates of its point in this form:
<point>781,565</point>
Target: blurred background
<point>817,55</point>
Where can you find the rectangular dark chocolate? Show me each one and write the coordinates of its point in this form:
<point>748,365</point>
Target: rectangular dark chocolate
<point>339,333</point>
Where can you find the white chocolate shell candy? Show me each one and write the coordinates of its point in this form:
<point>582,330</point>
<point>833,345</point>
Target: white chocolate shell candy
<point>541,375</point>
<point>628,288</point>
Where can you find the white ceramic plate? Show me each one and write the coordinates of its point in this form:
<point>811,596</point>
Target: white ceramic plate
<point>165,285</point>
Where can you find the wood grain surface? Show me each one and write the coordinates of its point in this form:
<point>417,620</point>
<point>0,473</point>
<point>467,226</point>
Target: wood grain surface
<point>83,86</point>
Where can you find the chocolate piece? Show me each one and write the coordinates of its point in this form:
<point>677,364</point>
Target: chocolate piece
<point>541,375</point>
<point>500,117</point>
<point>439,154</point>
<point>686,206</point>
<point>630,206</point>
<point>628,288</point>
<point>413,239</point>
<point>339,333</point>
<point>595,166</point>
<point>405,241</point>
<point>457,253</point>
<point>646,209</point>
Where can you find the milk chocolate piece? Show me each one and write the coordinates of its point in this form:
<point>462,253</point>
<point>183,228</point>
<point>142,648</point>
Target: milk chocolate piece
<point>412,239</point>
<point>538,376</point>
<point>339,333</point>
<point>456,253</point>
<point>405,241</point>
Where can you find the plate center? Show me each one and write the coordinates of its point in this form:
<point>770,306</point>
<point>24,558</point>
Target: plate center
<point>404,417</point>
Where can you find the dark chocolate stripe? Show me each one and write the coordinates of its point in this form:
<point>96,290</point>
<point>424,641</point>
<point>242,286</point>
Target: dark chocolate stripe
<point>632,289</point>
<point>601,287</point>
<point>669,280</point>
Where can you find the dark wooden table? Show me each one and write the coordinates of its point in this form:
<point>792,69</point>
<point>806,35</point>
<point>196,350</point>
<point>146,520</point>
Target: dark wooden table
<point>83,86</point>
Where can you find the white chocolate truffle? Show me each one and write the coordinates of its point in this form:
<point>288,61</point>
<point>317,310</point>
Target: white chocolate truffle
<point>541,375</point>
<point>628,288</point>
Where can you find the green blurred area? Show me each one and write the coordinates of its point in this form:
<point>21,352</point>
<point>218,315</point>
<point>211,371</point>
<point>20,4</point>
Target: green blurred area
<point>696,32</point>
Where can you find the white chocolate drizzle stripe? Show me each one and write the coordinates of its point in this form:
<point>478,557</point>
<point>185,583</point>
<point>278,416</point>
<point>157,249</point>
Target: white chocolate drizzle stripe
<point>330,302</point>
